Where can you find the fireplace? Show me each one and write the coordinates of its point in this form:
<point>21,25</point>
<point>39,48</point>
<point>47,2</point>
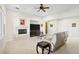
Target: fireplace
<point>22,31</point>
<point>34,30</point>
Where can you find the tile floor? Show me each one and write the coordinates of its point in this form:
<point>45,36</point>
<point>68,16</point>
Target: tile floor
<point>71,47</point>
<point>28,46</point>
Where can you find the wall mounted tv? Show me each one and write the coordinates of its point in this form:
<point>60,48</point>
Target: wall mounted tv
<point>34,30</point>
<point>22,31</point>
<point>34,26</point>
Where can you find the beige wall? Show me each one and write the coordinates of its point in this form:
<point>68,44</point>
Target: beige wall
<point>2,20</point>
<point>0,24</point>
<point>12,25</point>
<point>42,28</point>
<point>54,29</point>
<point>65,25</point>
<point>2,27</point>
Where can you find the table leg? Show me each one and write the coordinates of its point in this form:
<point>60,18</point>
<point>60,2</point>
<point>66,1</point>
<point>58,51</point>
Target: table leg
<point>49,49</point>
<point>37,49</point>
<point>42,50</point>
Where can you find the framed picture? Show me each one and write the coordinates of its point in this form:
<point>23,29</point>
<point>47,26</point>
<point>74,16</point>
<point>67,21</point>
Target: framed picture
<point>22,21</point>
<point>51,25</point>
<point>73,24</point>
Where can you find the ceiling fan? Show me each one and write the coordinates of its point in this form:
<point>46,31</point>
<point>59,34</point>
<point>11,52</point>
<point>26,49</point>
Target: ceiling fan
<point>42,8</point>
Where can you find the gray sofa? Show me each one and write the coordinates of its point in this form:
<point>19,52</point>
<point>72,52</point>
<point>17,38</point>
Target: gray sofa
<point>61,39</point>
<point>56,40</point>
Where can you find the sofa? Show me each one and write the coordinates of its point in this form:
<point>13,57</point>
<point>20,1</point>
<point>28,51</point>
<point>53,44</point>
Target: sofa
<point>61,39</point>
<point>57,40</point>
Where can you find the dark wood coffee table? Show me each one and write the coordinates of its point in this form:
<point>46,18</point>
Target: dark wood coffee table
<point>43,45</point>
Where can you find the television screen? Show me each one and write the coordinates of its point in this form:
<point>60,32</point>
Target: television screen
<point>34,26</point>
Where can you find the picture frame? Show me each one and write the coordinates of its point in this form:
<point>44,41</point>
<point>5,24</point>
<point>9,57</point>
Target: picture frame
<point>22,21</point>
<point>51,25</point>
<point>73,24</point>
<point>41,25</point>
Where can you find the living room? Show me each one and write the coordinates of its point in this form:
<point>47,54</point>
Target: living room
<point>18,21</point>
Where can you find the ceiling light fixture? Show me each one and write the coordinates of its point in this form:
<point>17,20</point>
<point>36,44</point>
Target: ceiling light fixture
<point>17,7</point>
<point>42,7</point>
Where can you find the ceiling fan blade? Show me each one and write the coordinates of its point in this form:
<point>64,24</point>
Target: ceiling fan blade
<point>46,8</point>
<point>43,10</point>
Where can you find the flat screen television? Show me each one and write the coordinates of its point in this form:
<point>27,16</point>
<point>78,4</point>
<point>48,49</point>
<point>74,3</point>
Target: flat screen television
<point>34,30</point>
<point>22,31</point>
<point>34,26</point>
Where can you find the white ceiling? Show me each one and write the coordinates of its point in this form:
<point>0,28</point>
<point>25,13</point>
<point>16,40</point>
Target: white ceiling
<point>55,10</point>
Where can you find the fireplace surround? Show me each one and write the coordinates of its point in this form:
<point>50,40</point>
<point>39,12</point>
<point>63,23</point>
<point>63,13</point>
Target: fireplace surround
<point>22,31</point>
